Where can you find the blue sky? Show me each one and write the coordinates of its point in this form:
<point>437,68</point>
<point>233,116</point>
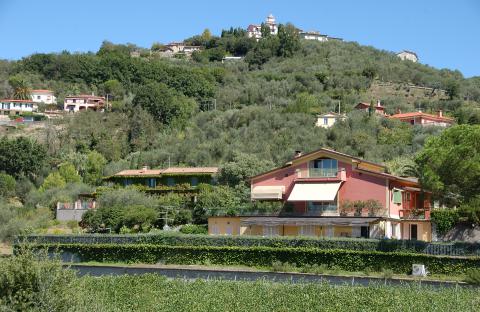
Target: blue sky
<point>445,34</point>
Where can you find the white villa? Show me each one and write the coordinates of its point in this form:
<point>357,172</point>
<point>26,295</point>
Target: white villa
<point>43,96</point>
<point>255,30</point>
<point>329,119</point>
<point>17,107</point>
<point>408,55</point>
<point>75,103</point>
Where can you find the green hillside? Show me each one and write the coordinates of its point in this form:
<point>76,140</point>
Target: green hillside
<point>253,113</point>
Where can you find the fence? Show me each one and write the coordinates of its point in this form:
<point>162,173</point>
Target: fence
<point>176,239</point>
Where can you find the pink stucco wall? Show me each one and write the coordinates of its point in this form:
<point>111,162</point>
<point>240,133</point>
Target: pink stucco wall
<point>358,186</point>
<point>361,186</point>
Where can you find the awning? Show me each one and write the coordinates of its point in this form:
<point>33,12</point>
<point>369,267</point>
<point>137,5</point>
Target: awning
<point>314,191</point>
<point>343,221</point>
<point>267,192</point>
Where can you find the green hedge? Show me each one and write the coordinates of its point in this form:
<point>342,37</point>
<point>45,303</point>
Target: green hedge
<point>176,239</point>
<point>398,262</point>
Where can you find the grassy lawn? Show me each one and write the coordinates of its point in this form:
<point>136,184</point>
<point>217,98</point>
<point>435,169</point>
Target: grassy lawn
<point>155,293</point>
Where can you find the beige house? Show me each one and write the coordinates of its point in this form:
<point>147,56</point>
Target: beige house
<point>329,119</point>
<point>408,55</point>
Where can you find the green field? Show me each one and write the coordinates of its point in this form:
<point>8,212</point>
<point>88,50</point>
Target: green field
<point>155,293</point>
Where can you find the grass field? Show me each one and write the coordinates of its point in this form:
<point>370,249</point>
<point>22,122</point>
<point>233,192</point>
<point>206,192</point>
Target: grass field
<point>155,293</point>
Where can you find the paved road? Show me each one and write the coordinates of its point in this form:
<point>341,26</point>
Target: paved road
<point>208,274</point>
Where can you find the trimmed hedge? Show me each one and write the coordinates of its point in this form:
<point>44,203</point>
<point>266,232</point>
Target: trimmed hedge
<point>349,260</point>
<point>176,239</point>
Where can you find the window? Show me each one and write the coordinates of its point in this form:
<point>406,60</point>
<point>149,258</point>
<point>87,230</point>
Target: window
<point>319,207</point>
<point>38,97</point>
<point>152,182</point>
<point>170,181</point>
<point>307,230</point>
<point>269,230</point>
<point>127,182</point>
<point>325,121</point>
<point>397,196</point>
<point>194,181</point>
<point>324,167</point>
<point>365,232</point>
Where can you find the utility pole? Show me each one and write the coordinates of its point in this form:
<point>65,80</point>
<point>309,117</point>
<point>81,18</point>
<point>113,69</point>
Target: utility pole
<point>107,100</point>
<point>215,104</point>
<point>168,161</point>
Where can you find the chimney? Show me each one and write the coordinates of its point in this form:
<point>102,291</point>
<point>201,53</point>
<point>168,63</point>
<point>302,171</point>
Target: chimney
<point>440,113</point>
<point>398,111</point>
<point>145,168</point>
<point>378,103</point>
<point>297,154</point>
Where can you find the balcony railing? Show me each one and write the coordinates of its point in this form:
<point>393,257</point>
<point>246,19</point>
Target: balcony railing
<point>415,214</point>
<point>323,173</point>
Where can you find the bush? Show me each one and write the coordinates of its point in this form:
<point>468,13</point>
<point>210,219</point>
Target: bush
<point>31,281</point>
<point>175,239</point>
<point>7,185</point>
<point>348,260</point>
<point>473,276</point>
<point>194,229</point>
<point>445,219</point>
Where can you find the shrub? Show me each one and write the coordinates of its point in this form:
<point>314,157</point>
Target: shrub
<point>445,219</point>
<point>194,229</point>
<point>32,281</point>
<point>7,185</point>
<point>473,276</point>
<point>348,260</point>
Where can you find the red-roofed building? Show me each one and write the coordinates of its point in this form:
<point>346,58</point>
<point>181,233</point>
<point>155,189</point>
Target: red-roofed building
<point>171,179</point>
<point>424,119</point>
<point>325,193</point>
<point>17,107</point>
<point>379,109</point>
<point>75,103</point>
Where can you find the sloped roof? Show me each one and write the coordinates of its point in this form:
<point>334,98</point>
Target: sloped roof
<point>422,115</point>
<point>365,105</point>
<point>159,172</point>
<point>16,101</point>
<point>41,91</point>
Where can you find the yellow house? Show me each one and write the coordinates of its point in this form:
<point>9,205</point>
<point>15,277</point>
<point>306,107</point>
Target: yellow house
<point>329,119</point>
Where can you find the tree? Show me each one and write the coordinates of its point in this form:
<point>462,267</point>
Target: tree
<point>453,88</point>
<point>21,156</point>
<point>288,39</point>
<point>7,185</point>
<point>165,104</point>
<point>114,89</point>
<point>21,88</point>
<point>206,35</point>
<point>53,180</point>
<point>241,168</point>
<point>94,168</point>
<point>68,172</point>
<point>450,164</point>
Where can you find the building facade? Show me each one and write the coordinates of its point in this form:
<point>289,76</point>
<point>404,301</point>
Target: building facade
<point>178,179</point>
<point>329,119</point>
<point>43,96</point>
<point>329,194</point>
<point>17,107</point>
<point>408,55</point>
<point>255,30</point>
<point>423,119</point>
<point>378,108</point>
<point>76,103</point>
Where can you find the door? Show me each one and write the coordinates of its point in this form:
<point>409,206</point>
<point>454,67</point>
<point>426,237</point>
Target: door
<point>365,231</point>
<point>413,231</point>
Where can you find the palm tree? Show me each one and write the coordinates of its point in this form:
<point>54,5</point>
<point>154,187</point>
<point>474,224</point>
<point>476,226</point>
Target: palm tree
<point>21,89</point>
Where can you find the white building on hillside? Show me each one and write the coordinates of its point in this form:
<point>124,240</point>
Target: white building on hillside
<point>17,107</point>
<point>75,103</point>
<point>255,30</point>
<point>408,55</point>
<point>43,96</point>
<point>329,119</point>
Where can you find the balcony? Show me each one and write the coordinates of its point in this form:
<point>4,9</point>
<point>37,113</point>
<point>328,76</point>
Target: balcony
<point>415,214</point>
<point>322,173</point>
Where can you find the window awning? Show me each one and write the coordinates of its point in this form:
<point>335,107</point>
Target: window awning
<point>340,221</point>
<point>267,192</point>
<point>314,192</point>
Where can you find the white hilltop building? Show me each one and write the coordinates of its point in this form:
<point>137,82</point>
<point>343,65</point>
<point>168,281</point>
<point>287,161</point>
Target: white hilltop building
<point>408,55</point>
<point>255,30</point>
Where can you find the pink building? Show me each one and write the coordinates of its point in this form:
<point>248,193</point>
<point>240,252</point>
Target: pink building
<point>76,103</point>
<point>331,194</point>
